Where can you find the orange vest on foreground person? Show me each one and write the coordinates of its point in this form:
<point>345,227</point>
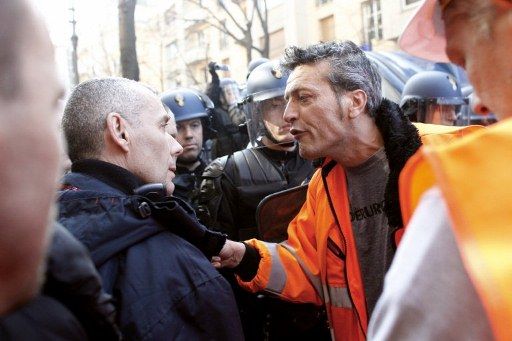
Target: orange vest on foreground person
<point>318,263</point>
<point>474,176</point>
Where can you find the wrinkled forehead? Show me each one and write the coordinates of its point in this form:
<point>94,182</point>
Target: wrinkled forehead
<point>307,77</point>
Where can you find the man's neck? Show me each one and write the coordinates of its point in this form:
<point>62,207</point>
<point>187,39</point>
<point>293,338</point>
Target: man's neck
<point>363,143</point>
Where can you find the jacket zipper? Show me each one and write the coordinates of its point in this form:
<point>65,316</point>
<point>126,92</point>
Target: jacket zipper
<point>327,169</point>
<point>331,245</point>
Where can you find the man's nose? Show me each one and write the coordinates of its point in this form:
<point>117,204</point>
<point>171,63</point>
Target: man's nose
<point>290,113</point>
<point>188,132</point>
<point>176,147</point>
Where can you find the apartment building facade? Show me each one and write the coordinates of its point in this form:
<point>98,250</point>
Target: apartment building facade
<point>191,41</point>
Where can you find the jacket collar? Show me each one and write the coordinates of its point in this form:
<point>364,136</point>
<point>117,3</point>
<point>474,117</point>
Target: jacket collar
<point>401,141</point>
<point>113,175</point>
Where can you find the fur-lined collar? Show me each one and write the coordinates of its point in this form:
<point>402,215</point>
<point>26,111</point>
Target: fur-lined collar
<point>401,141</point>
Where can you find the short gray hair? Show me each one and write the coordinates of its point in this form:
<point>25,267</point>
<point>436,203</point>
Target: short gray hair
<point>86,110</point>
<point>350,68</point>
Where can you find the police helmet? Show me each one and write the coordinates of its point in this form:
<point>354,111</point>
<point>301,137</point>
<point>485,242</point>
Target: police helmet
<point>188,104</point>
<point>433,85</point>
<point>432,90</point>
<point>267,80</point>
<point>255,63</point>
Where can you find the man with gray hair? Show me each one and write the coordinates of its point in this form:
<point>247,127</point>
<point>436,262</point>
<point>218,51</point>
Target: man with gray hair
<point>342,241</point>
<point>452,276</point>
<point>116,200</point>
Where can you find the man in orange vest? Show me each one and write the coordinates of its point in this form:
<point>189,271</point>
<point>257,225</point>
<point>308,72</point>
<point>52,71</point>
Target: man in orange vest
<point>452,275</point>
<point>340,244</point>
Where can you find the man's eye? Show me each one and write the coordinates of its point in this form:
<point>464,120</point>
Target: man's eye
<point>303,98</point>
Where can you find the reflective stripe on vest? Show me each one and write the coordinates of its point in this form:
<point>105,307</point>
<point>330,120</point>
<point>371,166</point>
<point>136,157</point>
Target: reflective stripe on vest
<point>277,278</point>
<point>336,296</point>
<point>339,297</point>
<point>314,280</point>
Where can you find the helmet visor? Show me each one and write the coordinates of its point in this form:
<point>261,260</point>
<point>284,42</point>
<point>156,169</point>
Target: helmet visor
<point>265,118</point>
<point>442,114</point>
<point>444,111</point>
<point>230,95</point>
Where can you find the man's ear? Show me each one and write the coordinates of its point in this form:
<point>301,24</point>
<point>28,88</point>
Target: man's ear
<point>357,103</point>
<point>116,130</point>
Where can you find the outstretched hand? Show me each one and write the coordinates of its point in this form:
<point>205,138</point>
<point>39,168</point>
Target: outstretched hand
<point>230,256</point>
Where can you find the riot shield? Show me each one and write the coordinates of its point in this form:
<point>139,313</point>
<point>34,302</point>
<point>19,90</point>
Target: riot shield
<point>277,210</point>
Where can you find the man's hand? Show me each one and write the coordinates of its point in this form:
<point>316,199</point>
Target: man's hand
<point>230,256</point>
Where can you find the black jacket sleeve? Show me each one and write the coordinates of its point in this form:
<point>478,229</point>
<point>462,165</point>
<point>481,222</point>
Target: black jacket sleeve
<point>179,218</point>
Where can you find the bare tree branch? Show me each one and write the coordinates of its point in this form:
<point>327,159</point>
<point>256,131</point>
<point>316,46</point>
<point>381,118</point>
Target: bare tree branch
<point>223,6</point>
<point>239,5</point>
<point>245,28</point>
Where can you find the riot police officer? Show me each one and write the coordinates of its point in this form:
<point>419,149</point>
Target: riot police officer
<point>226,116</point>
<point>433,97</point>
<point>192,111</point>
<point>234,185</point>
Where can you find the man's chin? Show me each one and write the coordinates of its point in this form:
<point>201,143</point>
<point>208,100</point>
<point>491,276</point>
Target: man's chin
<point>307,154</point>
<point>189,158</point>
<point>169,187</point>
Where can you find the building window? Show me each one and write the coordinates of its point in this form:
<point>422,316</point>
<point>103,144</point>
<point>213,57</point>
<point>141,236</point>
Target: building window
<point>322,2</point>
<point>276,44</point>
<point>171,50</point>
<point>327,28</point>
<point>195,39</point>
<point>372,20</point>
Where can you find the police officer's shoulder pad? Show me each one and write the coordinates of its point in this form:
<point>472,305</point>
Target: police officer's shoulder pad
<point>216,168</point>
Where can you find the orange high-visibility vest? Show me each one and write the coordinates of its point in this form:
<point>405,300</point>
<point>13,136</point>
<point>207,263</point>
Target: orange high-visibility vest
<point>475,177</point>
<point>318,263</point>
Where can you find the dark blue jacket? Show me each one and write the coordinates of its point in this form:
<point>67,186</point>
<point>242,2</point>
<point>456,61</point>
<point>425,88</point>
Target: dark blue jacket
<point>164,287</point>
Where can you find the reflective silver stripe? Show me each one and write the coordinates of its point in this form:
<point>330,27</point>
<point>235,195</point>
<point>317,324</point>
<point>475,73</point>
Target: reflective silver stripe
<point>338,297</point>
<point>314,280</point>
<point>277,278</point>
